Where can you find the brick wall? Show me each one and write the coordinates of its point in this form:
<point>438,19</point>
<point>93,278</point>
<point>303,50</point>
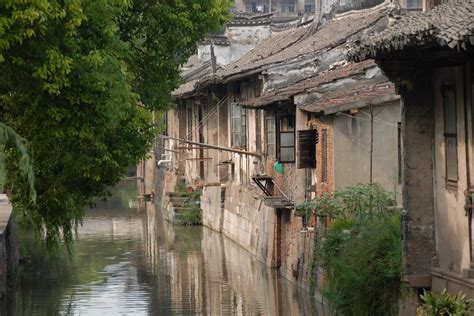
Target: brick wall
<point>321,124</point>
<point>285,181</point>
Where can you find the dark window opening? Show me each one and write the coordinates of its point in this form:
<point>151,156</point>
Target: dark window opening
<point>324,155</point>
<point>307,141</point>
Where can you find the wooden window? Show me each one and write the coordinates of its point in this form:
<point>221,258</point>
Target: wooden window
<point>307,141</point>
<point>270,133</point>
<point>239,126</point>
<point>450,133</point>
<point>286,139</point>
<point>414,4</point>
<point>324,155</point>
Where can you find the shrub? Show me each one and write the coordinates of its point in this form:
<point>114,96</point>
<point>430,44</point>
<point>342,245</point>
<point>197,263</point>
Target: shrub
<point>443,305</point>
<point>361,252</point>
<point>359,202</point>
<point>190,217</point>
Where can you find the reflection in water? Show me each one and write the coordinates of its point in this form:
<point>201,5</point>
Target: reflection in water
<point>131,262</point>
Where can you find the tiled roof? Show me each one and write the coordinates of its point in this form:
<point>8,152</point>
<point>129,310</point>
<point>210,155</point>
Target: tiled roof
<point>300,41</point>
<point>450,24</point>
<point>288,45</point>
<point>286,93</point>
<point>358,96</point>
<point>349,86</point>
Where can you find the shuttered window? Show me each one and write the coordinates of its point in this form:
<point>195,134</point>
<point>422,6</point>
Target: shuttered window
<point>450,133</point>
<point>324,155</point>
<point>307,141</point>
<point>286,139</point>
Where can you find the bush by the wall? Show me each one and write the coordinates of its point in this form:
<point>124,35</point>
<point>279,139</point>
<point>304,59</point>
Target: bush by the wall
<point>361,252</point>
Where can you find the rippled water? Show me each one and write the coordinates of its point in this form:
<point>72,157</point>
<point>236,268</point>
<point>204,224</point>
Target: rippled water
<point>128,261</point>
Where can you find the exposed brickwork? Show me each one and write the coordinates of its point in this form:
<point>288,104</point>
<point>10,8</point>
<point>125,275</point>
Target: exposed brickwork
<point>285,181</point>
<point>320,124</point>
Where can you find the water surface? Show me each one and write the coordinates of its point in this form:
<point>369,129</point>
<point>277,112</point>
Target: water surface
<point>128,261</point>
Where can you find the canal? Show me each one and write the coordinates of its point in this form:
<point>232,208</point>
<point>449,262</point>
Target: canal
<point>128,261</point>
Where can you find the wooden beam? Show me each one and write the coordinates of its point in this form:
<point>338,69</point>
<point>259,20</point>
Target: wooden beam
<point>237,151</point>
<point>185,147</point>
<point>199,159</point>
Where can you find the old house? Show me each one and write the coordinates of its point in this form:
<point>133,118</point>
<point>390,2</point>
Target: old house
<point>429,56</point>
<point>289,120</point>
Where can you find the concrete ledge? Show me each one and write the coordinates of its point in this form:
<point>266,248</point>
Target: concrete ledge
<point>453,277</point>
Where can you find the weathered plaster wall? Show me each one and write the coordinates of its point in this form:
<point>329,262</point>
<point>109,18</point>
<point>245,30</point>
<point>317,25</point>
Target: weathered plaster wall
<point>223,53</point>
<point>244,38</point>
<point>241,40</point>
<point>452,229</point>
<point>352,137</point>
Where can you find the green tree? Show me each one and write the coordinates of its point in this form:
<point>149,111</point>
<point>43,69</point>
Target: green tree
<point>79,79</point>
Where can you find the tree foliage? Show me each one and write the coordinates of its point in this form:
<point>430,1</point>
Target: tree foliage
<point>79,80</point>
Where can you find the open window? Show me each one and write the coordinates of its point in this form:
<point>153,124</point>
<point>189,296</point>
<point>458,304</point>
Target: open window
<point>307,140</point>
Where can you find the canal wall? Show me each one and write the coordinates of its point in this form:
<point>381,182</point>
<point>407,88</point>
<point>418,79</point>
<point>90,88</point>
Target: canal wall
<point>274,236</point>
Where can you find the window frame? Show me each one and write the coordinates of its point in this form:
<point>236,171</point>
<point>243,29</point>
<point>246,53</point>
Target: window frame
<point>414,4</point>
<point>279,133</point>
<point>239,131</point>
<point>450,135</point>
<point>270,116</point>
